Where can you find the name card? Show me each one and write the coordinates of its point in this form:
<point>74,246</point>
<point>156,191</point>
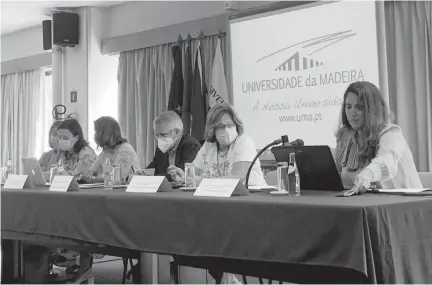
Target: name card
<point>149,184</point>
<point>17,182</point>
<point>62,183</point>
<point>223,188</point>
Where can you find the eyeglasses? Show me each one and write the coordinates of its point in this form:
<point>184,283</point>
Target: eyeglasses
<point>163,135</point>
<point>223,127</point>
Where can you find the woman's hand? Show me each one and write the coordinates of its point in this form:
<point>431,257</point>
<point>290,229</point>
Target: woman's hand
<point>363,181</point>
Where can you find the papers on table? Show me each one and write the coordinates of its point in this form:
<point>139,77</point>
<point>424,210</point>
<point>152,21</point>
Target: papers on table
<point>262,187</point>
<point>91,185</point>
<point>402,190</point>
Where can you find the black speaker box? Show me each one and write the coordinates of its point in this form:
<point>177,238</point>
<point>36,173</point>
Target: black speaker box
<point>47,39</point>
<point>65,29</point>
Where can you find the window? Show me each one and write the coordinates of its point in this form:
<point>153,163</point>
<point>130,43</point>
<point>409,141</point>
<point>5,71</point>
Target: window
<point>45,118</point>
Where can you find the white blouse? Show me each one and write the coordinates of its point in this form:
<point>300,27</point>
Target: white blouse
<point>393,166</point>
<point>242,149</point>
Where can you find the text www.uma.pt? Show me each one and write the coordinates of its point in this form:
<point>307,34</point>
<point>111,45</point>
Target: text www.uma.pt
<point>301,118</point>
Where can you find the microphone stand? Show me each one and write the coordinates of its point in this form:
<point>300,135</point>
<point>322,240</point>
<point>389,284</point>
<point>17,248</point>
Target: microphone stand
<point>283,140</point>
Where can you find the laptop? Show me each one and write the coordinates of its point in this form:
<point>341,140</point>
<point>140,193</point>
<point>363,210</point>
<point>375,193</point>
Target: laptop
<point>34,171</point>
<point>315,164</point>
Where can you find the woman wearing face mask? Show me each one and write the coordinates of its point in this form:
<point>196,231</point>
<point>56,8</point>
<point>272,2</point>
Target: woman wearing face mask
<point>52,156</point>
<point>77,159</point>
<point>78,156</point>
<point>227,152</point>
<point>173,148</point>
<point>370,149</point>
<point>115,147</point>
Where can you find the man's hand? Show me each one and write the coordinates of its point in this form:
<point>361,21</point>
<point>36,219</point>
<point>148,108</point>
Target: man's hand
<point>177,174</point>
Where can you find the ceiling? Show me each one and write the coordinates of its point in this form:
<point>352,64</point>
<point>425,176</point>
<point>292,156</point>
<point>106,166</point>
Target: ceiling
<point>20,15</point>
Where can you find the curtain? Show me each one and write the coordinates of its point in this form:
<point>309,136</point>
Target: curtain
<point>22,99</point>
<point>409,54</point>
<point>144,78</point>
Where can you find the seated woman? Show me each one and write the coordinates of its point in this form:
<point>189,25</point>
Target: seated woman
<point>52,156</point>
<point>115,147</point>
<point>227,152</point>
<point>77,158</point>
<point>370,149</point>
<point>77,155</point>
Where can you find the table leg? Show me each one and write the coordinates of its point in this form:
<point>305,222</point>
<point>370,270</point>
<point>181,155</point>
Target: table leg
<point>149,268</point>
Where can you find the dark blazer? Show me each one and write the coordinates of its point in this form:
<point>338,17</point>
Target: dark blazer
<point>186,151</point>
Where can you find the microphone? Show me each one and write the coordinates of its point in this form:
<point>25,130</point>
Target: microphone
<point>297,143</point>
<point>284,140</point>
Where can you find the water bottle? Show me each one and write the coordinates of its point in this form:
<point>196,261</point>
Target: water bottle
<point>108,175</point>
<point>61,167</point>
<point>206,167</point>
<point>6,170</point>
<point>293,177</point>
<point>9,169</point>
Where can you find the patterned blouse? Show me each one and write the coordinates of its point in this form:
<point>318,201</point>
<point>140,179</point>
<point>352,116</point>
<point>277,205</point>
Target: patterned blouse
<point>78,164</point>
<point>123,155</point>
<point>49,158</point>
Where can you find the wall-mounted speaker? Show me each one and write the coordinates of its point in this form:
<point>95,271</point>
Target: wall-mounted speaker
<point>65,29</point>
<point>46,31</point>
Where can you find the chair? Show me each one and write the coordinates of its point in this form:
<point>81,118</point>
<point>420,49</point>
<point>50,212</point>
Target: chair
<point>426,179</point>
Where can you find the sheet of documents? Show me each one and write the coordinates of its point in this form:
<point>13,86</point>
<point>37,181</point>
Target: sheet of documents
<point>216,187</point>
<point>145,184</point>
<point>93,185</point>
<point>403,190</point>
<point>261,187</point>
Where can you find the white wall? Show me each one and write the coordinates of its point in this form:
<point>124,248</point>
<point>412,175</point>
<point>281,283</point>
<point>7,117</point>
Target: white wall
<point>102,75</point>
<point>76,73</point>
<point>22,44</point>
<point>136,17</point>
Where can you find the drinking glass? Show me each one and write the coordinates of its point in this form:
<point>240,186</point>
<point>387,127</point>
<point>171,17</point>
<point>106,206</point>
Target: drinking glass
<point>282,176</point>
<point>190,179</point>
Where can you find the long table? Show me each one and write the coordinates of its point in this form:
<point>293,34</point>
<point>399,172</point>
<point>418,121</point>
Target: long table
<point>378,238</point>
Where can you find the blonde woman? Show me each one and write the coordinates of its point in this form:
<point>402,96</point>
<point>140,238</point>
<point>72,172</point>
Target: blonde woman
<point>227,151</point>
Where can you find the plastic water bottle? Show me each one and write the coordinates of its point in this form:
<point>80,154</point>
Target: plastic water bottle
<point>206,167</point>
<point>9,169</point>
<point>6,170</point>
<point>293,177</point>
<point>61,167</point>
<point>108,175</point>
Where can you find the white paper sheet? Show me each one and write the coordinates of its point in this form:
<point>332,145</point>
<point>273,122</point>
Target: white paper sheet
<point>403,190</point>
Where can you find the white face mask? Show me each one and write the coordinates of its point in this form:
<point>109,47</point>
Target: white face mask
<point>227,136</point>
<point>165,144</point>
<point>64,144</point>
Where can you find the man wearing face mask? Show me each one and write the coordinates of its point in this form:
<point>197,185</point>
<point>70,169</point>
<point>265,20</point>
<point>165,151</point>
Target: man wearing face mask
<point>173,148</point>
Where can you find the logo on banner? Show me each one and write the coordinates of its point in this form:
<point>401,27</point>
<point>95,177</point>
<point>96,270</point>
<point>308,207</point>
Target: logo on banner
<point>298,62</point>
<point>303,59</point>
